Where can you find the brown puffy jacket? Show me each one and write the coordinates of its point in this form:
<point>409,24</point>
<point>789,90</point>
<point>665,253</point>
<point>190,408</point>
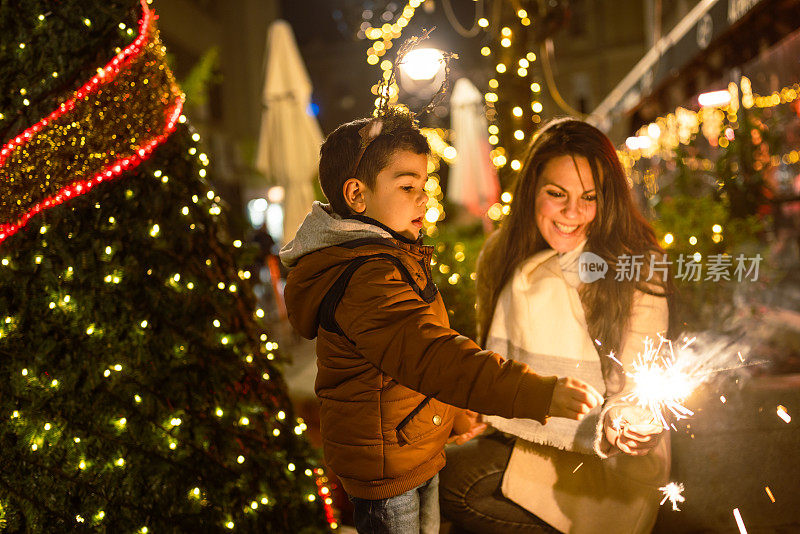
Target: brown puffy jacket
<point>390,370</point>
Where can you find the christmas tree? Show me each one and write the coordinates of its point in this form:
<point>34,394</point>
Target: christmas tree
<point>139,391</point>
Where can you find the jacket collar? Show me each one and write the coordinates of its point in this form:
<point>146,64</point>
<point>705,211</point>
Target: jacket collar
<point>416,248</point>
<point>395,235</point>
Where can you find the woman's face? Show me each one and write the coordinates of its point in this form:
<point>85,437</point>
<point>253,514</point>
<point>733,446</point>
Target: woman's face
<point>566,201</point>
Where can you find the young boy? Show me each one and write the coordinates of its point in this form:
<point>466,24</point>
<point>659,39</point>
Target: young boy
<point>393,379</point>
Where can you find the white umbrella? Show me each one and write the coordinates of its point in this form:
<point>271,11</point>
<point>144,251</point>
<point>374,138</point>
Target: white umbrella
<point>289,140</point>
<point>473,178</point>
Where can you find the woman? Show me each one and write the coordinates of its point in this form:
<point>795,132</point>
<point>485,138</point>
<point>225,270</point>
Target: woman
<point>572,209</point>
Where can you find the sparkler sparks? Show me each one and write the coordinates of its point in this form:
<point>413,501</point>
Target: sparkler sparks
<point>674,493</point>
<point>611,356</point>
<point>664,376</point>
<point>769,494</point>
<point>783,414</point>
<point>660,381</point>
<point>739,522</point>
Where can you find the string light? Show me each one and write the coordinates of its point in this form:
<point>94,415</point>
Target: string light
<point>382,38</point>
<point>522,66</point>
<point>134,57</point>
<point>117,167</point>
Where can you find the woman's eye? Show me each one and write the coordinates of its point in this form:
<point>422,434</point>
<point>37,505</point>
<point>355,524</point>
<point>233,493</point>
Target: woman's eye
<point>555,194</point>
<point>590,198</point>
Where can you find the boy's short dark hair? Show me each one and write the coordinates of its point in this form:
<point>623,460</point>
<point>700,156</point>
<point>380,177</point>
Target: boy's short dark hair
<point>340,150</point>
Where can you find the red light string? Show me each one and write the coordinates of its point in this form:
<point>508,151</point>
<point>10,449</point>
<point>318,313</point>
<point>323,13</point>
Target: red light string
<point>109,173</point>
<point>117,167</point>
<point>325,493</point>
<point>103,77</point>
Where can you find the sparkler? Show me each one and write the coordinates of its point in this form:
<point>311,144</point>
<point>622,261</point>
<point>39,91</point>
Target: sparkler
<point>661,381</point>
<point>674,492</point>
<point>664,376</point>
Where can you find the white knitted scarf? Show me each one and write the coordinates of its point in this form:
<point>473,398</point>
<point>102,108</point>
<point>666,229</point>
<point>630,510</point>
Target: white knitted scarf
<point>539,320</point>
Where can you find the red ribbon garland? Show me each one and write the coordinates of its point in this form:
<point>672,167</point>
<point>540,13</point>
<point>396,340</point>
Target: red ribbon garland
<point>115,168</point>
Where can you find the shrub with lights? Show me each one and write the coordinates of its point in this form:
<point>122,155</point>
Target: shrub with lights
<point>139,389</point>
<point>717,181</point>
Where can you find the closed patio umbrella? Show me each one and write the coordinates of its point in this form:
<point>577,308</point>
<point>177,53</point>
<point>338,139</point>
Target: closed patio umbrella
<point>473,178</point>
<point>289,140</point>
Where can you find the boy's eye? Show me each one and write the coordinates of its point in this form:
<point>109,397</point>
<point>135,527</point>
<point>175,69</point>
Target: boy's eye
<point>407,188</point>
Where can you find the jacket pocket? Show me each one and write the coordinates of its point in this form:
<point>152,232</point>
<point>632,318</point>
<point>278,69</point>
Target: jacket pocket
<point>429,417</point>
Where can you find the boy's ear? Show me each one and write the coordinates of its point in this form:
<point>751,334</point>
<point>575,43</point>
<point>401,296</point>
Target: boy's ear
<point>353,191</point>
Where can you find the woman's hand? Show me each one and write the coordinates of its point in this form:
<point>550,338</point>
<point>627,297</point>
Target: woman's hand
<point>573,398</point>
<point>632,429</point>
<point>466,426</point>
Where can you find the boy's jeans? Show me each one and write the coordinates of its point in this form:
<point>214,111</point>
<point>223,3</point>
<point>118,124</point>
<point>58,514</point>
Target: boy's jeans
<point>413,512</point>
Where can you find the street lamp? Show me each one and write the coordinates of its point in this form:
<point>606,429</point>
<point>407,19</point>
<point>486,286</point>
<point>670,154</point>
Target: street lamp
<point>422,64</point>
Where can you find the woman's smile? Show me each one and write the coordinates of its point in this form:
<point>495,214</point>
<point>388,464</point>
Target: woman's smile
<point>566,202</point>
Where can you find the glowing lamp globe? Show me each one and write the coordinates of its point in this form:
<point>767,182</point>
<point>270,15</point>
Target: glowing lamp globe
<point>422,64</point>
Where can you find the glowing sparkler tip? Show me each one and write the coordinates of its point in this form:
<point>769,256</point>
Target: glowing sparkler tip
<point>674,493</point>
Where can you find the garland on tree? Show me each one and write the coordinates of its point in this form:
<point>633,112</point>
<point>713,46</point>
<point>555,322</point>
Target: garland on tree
<point>138,389</point>
<point>82,146</point>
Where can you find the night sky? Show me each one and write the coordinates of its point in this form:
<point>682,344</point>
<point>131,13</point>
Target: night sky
<point>336,59</point>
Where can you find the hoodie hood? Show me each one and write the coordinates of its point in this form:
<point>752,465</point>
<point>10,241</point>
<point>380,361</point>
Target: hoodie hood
<point>323,228</point>
<point>322,249</point>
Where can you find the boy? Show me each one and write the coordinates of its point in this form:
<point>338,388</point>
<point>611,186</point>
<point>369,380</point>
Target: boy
<point>393,379</point>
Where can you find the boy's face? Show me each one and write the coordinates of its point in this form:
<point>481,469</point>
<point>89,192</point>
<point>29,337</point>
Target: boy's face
<point>398,199</point>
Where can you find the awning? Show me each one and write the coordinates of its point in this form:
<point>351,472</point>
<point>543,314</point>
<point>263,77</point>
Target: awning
<point>705,23</point>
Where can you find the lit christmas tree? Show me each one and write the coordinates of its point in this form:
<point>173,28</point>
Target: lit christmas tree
<point>139,391</point>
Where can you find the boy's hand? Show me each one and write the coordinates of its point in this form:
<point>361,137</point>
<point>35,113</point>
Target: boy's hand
<point>632,429</point>
<point>573,398</point>
<point>466,426</point>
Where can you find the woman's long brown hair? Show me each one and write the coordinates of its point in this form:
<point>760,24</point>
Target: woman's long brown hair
<point>617,229</point>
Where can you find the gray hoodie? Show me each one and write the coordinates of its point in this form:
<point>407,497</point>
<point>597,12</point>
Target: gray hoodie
<point>323,228</point>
